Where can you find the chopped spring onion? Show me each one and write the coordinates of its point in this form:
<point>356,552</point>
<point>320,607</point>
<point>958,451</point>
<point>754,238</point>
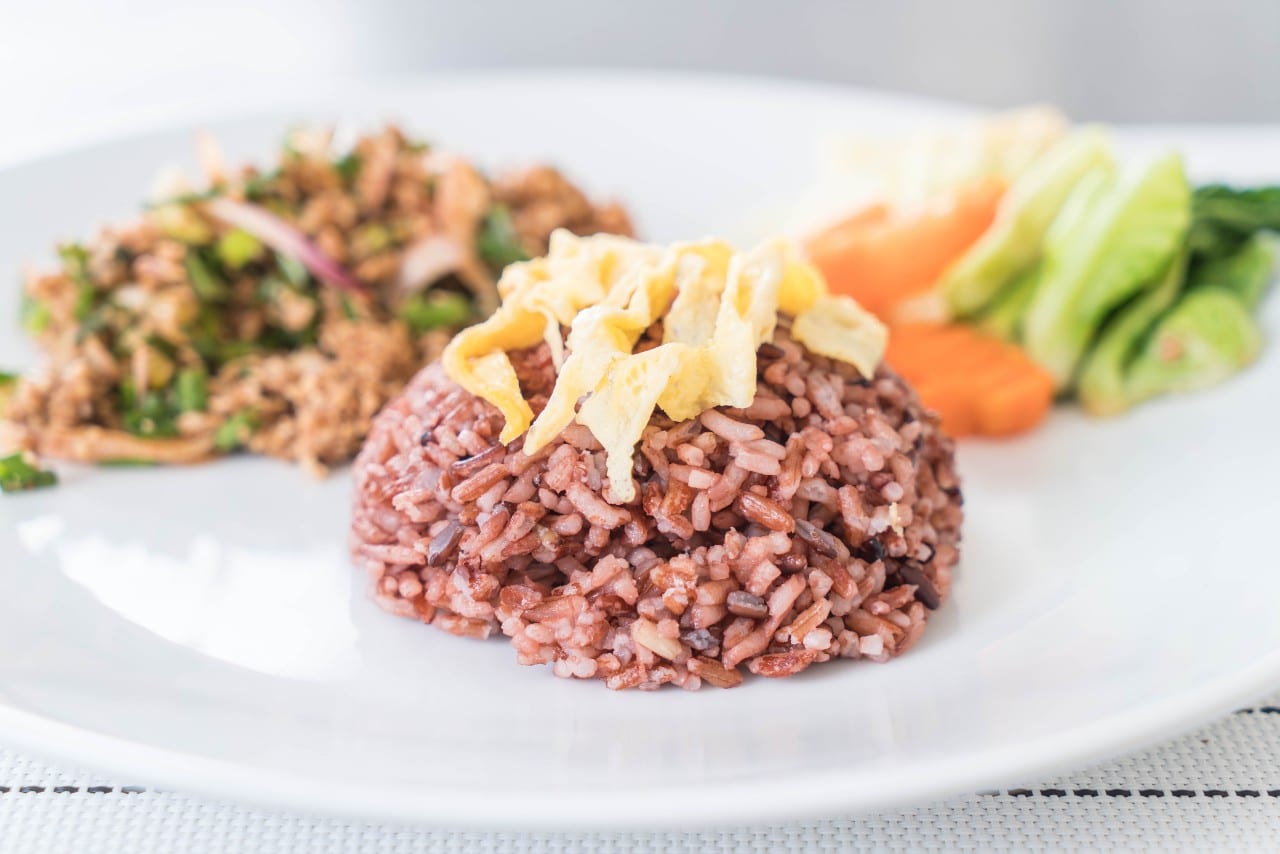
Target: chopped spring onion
<point>438,309</point>
<point>283,237</point>
<point>234,433</point>
<point>16,474</point>
<point>498,243</point>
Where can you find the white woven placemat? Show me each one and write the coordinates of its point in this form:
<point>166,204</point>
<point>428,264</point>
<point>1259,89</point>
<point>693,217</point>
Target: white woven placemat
<point>1216,788</point>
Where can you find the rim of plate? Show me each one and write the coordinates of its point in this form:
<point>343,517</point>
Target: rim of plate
<point>677,805</point>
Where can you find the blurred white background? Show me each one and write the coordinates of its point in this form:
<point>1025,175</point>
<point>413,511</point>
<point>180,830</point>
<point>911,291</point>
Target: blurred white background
<point>76,69</point>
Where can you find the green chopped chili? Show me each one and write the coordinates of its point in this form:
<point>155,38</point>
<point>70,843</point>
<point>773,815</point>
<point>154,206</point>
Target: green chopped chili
<point>439,309</point>
<point>234,433</point>
<point>16,474</point>
<point>498,243</point>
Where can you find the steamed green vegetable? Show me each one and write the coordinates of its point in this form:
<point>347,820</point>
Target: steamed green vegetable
<point>1003,318</point>
<point>1013,242</point>
<point>1104,386</point>
<point>1120,244</point>
<point>1203,340</point>
<point>1224,217</point>
<point>1246,272</point>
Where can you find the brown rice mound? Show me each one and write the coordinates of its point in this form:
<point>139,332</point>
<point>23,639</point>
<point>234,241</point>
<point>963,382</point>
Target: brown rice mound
<point>821,522</point>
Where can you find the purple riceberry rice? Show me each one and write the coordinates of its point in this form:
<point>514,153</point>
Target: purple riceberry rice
<point>761,540</point>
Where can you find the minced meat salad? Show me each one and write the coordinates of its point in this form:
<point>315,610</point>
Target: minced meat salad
<point>276,311</point>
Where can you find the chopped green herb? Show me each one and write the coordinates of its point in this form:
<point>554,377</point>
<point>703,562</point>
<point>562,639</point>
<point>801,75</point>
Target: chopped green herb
<point>293,270</point>
<point>97,320</point>
<point>349,309</point>
<point>191,390</point>
<point>8,382</point>
<point>35,315</point>
<point>234,433</point>
<point>204,281</point>
<point>259,185</point>
<point>237,249</point>
<point>439,309</point>
<point>16,474</point>
<point>149,414</point>
<point>194,197</point>
<point>127,463</point>
<point>498,243</point>
<point>348,166</point>
<point>75,262</point>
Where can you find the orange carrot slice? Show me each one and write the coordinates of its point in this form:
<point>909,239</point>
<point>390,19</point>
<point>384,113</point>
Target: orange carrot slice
<point>881,256</point>
<point>978,384</point>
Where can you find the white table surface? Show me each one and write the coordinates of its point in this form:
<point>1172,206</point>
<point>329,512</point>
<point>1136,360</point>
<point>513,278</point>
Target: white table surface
<point>1217,788</point>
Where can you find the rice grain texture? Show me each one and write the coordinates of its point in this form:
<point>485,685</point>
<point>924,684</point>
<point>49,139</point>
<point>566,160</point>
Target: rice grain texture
<point>821,522</point>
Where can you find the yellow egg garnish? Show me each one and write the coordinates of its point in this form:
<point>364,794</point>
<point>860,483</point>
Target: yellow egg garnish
<point>717,305</point>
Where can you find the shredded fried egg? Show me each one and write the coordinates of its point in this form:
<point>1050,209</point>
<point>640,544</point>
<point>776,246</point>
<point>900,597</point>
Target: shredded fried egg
<point>718,305</point>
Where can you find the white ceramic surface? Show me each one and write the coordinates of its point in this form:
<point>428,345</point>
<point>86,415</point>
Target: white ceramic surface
<point>203,629</point>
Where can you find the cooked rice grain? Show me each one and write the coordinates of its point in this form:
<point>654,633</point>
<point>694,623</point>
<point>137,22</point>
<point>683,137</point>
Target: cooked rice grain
<point>822,522</point>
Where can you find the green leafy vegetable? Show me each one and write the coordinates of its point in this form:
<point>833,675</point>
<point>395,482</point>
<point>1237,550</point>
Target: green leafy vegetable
<point>191,390</point>
<point>1003,317</point>
<point>34,315</point>
<point>439,309</point>
<point>1114,246</point>
<point>17,475</point>
<point>1246,272</point>
<point>234,433</point>
<point>207,284</point>
<point>498,243</point>
<point>237,249</point>
<point>1204,339</point>
<point>1013,242</point>
<point>1225,217</point>
<point>1104,387</point>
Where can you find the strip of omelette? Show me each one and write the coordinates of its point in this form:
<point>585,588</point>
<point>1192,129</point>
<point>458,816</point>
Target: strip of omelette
<point>717,305</point>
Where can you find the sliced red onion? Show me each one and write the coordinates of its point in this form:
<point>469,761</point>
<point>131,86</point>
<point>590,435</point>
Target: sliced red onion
<point>284,238</point>
<point>429,260</point>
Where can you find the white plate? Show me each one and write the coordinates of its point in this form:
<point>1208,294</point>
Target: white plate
<point>203,629</point>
